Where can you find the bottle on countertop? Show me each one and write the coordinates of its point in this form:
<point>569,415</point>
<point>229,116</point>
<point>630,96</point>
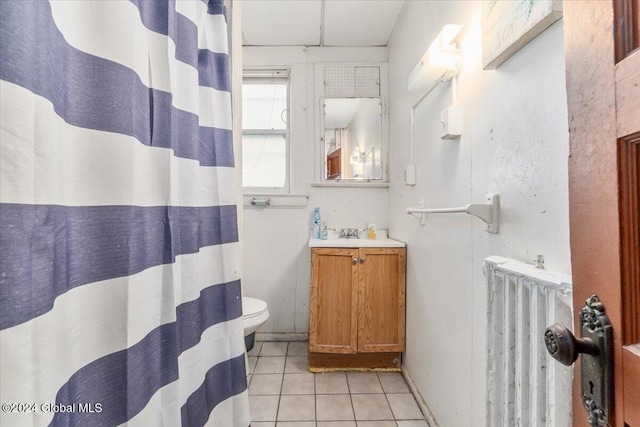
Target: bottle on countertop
<point>371,231</point>
<point>317,232</point>
<point>324,231</point>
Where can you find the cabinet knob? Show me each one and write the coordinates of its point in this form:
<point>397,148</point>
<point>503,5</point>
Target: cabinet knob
<point>354,261</point>
<point>361,259</point>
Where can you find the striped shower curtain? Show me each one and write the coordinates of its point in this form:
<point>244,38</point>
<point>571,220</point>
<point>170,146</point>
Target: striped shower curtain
<point>120,300</point>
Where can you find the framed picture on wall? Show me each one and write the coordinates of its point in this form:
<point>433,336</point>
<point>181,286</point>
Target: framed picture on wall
<point>508,25</point>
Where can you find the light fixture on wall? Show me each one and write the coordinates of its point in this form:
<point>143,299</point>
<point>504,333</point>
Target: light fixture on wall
<point>439,63</point>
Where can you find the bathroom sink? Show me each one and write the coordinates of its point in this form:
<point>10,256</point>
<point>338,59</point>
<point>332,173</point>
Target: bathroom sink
<point>334,241</point>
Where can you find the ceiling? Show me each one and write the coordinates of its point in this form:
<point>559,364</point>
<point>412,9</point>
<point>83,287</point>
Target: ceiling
<point>319,22</point>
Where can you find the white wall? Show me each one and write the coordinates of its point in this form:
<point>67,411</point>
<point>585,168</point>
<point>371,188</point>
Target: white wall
<point>276,257</point>
<point>515,143</point>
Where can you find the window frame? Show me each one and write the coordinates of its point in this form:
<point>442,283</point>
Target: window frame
<point>265,76</point>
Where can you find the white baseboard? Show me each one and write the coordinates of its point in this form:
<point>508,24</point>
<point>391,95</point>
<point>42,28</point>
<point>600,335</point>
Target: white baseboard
<point>277,336</point>
<point>420,400</point>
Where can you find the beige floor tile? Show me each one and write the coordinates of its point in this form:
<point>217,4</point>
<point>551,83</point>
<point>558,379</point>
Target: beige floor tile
<point>283,393</point>
<point>393,382</point>
<point>412,423</point>
<point>331,383</point>
<point>404,407</point>
<point>251,360</point>
<point>265,384</point>
<point>297,365</point>
<point>334,407</point>
<point>297,408</point>
<point>363,382</point>
<point>336,424</point>
<point>298,384</point>
<point>255,351</point>
<point>369,407</point>
<point>295,424</point>
<point>269,365</point>
<point>263,408</point>
<point>273,349</point>
<point>374,424</point>
<point>298,348</point>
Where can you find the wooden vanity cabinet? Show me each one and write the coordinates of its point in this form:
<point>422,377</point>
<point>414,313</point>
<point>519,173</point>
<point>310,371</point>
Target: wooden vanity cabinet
<point>333,308</point>
<point>357,307</point>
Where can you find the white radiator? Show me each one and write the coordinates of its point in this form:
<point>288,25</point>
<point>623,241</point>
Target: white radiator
<point>525,386</point>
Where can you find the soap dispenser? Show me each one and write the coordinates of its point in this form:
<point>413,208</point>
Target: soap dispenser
<point>371,231</point>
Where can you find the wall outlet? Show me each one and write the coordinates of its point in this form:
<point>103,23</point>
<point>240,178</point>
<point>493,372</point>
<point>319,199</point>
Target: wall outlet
<point>451,123</point>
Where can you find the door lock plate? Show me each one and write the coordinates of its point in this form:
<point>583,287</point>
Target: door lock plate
<point>596,347</point>
<point>597,369</point>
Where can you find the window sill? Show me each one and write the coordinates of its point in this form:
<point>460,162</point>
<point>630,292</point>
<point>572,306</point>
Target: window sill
<point>350,184</point>
<point>277,200</point>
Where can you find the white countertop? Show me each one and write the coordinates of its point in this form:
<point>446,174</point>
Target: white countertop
<point>381,241</point>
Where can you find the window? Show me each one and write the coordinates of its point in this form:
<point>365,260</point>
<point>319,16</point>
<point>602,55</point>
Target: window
<point>265,130</point>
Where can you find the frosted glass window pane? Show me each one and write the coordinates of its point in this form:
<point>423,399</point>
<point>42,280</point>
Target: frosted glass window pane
<point>264,161</point>
<point>264,106</point>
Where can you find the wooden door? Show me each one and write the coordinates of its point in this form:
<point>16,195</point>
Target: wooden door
<point>334,164</point>
<point>381,300</point>
<point>333,307</point>
<point>603,94</point>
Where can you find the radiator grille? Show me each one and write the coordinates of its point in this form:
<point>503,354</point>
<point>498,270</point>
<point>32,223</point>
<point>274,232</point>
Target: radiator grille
<point>525,386</point>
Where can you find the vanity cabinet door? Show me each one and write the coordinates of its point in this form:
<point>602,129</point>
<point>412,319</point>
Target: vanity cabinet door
<point>333,311</point>
<point>381,300</point>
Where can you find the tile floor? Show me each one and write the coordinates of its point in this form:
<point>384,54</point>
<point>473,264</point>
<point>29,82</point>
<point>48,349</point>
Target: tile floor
<point>282,393</point>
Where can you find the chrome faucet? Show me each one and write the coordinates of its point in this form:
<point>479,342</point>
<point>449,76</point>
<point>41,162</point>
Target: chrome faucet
<point>349,233</point>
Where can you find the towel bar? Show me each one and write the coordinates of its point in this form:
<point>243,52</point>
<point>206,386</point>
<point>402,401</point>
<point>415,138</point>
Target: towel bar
<point>487,212</point>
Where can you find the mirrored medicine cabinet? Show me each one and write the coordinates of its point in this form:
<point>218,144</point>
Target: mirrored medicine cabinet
<point>352,125</point>
<point>352,138</point>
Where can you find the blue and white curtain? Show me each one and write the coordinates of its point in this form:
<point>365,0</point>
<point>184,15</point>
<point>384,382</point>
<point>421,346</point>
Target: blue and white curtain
<point>120,298</point>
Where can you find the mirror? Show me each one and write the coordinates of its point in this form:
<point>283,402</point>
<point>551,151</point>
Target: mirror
<point>353,138</point>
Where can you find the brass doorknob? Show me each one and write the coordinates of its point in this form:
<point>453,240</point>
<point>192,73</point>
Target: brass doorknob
<point>563,346</point>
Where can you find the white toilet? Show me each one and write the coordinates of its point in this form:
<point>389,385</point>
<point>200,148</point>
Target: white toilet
<point>254,314</point>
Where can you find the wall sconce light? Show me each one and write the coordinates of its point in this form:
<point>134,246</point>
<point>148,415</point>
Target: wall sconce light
<point>440,62</point>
